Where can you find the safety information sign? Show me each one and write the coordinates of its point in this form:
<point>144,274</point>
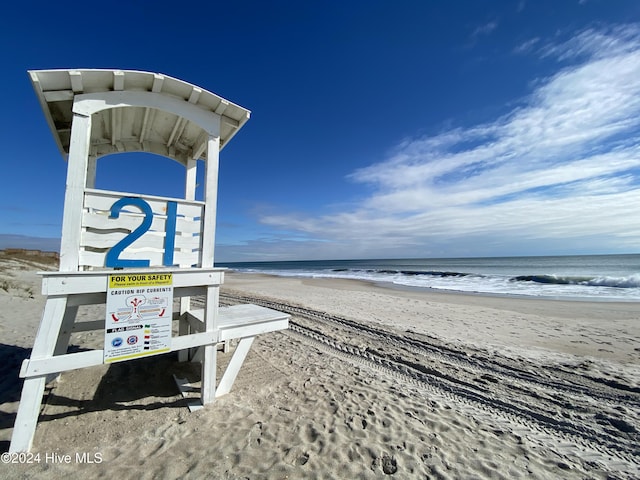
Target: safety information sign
<point>139,314</point>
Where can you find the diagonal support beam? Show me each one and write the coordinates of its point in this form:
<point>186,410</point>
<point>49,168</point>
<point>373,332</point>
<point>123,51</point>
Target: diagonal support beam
<point>230,374</point>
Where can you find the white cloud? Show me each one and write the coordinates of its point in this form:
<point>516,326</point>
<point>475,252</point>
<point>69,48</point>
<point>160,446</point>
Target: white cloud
<point>561,169</point>
<point>485,29</point>
<point>594,43</point>
<point>527,46</point>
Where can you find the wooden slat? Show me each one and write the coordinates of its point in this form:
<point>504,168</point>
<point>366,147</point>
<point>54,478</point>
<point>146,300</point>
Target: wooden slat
<point>97,259</point>
<point>76,81</point>
<point>75,283</point>
<point>222,106</point>
<point>188,225</point>
<point>195,95</point>
<point>115,131</point>
<point>148,240</point>
<point>116,195</point>
<point>178,127</point>
<point>158,81</point>
<point>186,243</point>
<point>72,361</point>
<point>145,123</point>
<point>108,240</point>
<point>158,206</point>
<point>126,221</point>
<point>241,331</point>
<point>100,220</point>
<point>58,95</point>
<point>152,239</point>
<point>239,315</point>
<point>118,80</point>
<point>196,324</point>
<point>246,320</point>
<point>200,145</point>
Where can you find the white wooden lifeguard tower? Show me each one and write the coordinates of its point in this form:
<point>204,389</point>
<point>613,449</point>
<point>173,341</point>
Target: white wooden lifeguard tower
<point>135,253</point>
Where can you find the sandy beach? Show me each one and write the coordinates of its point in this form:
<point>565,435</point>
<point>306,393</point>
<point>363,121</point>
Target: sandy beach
<point>369,382</point>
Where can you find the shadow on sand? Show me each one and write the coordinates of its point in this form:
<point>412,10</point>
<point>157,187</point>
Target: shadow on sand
<point>122,387</point>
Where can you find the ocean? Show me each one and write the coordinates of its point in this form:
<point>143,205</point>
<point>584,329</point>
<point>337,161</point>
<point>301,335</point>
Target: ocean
<point>576,277</point>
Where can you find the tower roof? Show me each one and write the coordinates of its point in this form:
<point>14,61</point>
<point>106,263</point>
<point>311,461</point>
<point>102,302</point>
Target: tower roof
<point>130,128</point>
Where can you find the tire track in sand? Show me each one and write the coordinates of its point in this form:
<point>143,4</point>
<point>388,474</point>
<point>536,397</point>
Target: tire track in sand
<point>547,405</point>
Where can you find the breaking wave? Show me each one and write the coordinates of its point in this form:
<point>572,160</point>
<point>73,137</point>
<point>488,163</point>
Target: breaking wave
<point>402,272</point>
<point>604,278</point>
<point>632,281</point>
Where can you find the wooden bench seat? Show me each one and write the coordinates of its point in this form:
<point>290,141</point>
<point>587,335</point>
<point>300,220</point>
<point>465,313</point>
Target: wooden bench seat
<point>240,321</point>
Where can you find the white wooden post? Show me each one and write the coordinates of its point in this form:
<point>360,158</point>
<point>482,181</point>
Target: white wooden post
<point>47,339</point>
<point>208,389</point>
<point>74,193</point>
<point>185,302</point>
<point>211,200</point>
<point>209,229</point>
<point>190,179</point>
<point>33,388</point>
<point>91,171</point>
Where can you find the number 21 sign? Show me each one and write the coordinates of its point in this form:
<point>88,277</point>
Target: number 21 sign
<point>136,232</point>
<point>113,255</point>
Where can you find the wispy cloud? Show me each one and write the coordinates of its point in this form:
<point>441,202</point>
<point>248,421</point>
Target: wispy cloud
<point>562,169</point>
<point>485,29</point>
<point>527,46</point>
<point>594,44</point>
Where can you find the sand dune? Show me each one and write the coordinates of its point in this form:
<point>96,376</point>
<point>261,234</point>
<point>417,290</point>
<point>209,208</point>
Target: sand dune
<point>368,383</point>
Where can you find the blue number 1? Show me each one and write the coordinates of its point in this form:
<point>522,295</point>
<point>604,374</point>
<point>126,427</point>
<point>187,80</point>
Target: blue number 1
<point>170,233</point>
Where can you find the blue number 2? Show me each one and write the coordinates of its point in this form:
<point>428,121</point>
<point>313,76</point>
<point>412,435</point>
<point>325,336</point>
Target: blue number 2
<point>113,255</point>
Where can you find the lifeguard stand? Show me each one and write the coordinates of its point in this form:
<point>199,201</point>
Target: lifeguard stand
<point>93,113</point>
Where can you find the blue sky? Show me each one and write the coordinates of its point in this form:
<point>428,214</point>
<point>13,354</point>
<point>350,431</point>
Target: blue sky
<point>378,129</point>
